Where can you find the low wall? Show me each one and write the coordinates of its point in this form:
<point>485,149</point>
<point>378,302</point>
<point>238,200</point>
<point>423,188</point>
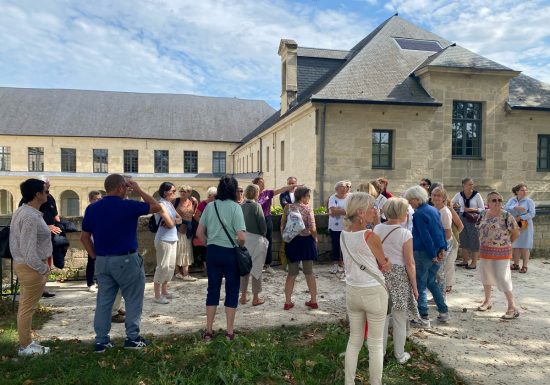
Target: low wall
<point>76,255</point>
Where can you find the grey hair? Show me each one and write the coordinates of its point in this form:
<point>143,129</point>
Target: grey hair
<point>355,201</point>
<point>340,184</point>
<point>416,192</point>
<point>212,191</point>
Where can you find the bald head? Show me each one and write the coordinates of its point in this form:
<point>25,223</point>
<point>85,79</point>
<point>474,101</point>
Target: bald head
<point>113,182</point>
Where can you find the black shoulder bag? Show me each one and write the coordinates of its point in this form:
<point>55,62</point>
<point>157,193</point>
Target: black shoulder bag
<point>244,260</point>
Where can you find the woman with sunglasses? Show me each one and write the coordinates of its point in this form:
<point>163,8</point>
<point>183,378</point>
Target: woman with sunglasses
<point>185,206</point>
<point>497,230</point>
<point>523,209</point>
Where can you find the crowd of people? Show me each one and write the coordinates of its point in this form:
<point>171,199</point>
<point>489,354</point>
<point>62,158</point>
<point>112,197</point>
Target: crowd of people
<point>389,251</point>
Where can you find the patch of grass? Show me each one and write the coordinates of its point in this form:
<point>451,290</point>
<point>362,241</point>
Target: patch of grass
<point>288,355</point>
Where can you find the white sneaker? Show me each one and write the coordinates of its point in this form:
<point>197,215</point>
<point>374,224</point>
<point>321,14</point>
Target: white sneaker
<point>161,300</point>
<point>92,289</point>
<point>333,269</point>
<point>269,270</point>
<point>33,349</point>
<point>189,278</point>
<point>180,276</point>
<point>170,295</point>
<point>406,356</point>
<point>421,323</point>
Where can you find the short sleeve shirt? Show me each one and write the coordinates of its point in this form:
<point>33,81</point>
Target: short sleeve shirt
<point>113,223</point>
<point>336,223</point>
<point>264,199</point>
<point>232,216</point>
<point>164,233</point>
<point>393,243</point>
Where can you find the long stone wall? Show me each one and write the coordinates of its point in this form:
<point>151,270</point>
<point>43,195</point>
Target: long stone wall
<point>76,256</point>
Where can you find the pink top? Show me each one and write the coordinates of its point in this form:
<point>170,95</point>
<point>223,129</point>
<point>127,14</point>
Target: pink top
<point>307,217</point>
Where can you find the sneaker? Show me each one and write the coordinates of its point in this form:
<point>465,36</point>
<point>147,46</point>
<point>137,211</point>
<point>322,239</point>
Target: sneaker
<point>333,269</point>
<point>169,295</point>
<point>162,300</point>
<point>100,348</point>
<point>443,317</point>
<point>33,349</point>
<point>189,278</point>
<point>92,289</point>
<point>406,356</point>
<point>138,343</point>
<point>180,276</point>
<point>269,270</point>
<point>47,294</point>
<point>421,323</point>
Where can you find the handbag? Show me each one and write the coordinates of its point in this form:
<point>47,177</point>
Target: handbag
<point>294,224</point>
<point>471,216</point>
<point>244,260</point>
<point>523,224</point>
<point>5,243</point>
<point>369,272</point>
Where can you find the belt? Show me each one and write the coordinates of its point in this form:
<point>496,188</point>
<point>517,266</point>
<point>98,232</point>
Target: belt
<point>121,254</point>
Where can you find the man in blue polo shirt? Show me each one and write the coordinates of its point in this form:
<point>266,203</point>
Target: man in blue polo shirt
<point>112,222</point>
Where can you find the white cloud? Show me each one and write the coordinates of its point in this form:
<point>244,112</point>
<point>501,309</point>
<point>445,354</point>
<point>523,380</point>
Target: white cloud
<point>229,48</point>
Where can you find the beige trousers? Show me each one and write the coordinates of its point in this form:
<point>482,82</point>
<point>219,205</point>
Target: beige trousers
<point>166,261</point>
<point>450,265</point>
<point>256,284</point>
<point>366,304</point>
<point>32,285</point>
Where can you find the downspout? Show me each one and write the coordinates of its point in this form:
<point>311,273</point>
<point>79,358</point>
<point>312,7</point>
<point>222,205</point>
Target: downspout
<point>322,158</point>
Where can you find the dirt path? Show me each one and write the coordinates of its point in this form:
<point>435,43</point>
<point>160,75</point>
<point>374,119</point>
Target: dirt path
<point>482,348</point>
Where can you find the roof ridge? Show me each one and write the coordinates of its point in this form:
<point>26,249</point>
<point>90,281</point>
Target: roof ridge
<point>432,57</point>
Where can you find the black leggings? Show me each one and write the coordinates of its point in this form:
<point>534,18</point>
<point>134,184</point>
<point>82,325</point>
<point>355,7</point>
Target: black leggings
<point>90,270</point>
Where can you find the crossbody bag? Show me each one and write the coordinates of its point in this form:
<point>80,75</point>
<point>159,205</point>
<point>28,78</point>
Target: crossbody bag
<point>244,260</point>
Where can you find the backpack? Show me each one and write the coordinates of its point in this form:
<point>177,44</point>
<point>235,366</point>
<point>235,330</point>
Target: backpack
<point>153,225</point>
<point>294,223</point>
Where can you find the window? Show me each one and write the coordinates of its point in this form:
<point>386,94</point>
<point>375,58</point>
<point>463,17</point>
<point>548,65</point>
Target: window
<point>258,160</point>
<point>131,161</point>
<point>543,153</point>
<point>382,148</point>
<point>466,129</point>
<point>100,160</point>
<point>252,162</point>
<point>161,161</point>
<point>68,159</point>
<point>218,162</point>
<point>36,159</point>
<point>190,161</point>
<point>5,159</point>
<point>267,159</point>
<point>282,155</point>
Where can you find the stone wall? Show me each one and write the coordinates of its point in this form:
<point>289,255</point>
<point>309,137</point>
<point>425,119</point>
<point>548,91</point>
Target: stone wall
<point>76,256</point>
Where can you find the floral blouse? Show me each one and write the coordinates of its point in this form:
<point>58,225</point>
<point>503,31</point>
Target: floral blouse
<point>307,216</point>
<point>495,235</point>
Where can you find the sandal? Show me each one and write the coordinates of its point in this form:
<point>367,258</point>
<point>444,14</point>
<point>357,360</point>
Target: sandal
<point>288,306</point>
<point>485,307</point>
<point>448,289</point>
<point>207,336</point>
<point>470,267</point>
<point>261,301</point>
<point>523,270</point>
<point>510,315</point>
<point>230,337</point>
<point>462,264</point>
<point>243,301</point>
<point>513,266</point>
<point>312,305</point>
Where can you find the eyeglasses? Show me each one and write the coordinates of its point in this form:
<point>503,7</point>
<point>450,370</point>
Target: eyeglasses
<point>496,200</point>
<point>172,191</point>
<point>524,190</point>
<point>423,184</point>
<point>239,191</point>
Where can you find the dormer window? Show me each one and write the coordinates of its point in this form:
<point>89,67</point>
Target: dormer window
<point>418,44</point>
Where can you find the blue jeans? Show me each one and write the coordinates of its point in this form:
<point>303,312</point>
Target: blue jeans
<point>114,272</point>
<point>221,263</point>
<point>426,274</point>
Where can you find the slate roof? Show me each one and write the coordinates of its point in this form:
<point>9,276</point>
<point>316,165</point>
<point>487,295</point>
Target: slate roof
<point>377,69</point>
<point>459,57</point>
<point>529,94</point>
<point>322,53</point>
<point>80,113</point>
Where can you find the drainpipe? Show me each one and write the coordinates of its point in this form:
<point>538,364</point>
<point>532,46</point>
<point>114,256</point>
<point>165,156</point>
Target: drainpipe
<point>322,157</point>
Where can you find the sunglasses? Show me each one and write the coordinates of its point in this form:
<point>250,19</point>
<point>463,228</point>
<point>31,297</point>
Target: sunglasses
<point>423,184</point>
<point>496,200</point>
<point>240,191</point>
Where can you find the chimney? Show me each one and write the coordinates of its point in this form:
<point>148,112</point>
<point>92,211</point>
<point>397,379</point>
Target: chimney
<point>288,51</point>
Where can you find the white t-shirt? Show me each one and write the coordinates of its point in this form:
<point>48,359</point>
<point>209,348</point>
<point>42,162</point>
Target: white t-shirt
<point>408,223</point>
<point>336,223</point>
<point>446,219</point>
<point>476,202</point>
<point>393,245</point>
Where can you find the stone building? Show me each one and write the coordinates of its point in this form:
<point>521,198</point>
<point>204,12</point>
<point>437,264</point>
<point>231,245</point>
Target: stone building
<point>77,137</point>
<point>403,103</point>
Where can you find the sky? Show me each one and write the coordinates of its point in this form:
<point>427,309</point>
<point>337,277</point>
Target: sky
<point>229,47</point>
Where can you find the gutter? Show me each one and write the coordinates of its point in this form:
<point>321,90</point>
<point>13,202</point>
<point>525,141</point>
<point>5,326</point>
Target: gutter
<point>527,108</point>
<point>364,101</point>
<point>322,157</point>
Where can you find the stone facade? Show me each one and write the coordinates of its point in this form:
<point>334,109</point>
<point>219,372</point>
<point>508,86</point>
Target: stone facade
<point>84,180</point>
